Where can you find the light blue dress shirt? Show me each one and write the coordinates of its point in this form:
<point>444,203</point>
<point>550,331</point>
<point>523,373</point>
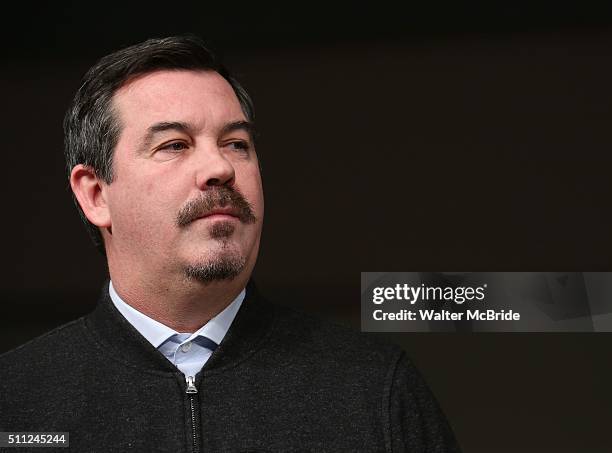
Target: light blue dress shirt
<point>187,351</point>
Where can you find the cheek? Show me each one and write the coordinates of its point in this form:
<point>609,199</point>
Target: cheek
<point>254,191</point>
<point>140,207</point>
<point>148,189</point>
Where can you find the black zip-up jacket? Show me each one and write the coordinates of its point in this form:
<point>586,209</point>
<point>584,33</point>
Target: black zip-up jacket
<point>280,381</point>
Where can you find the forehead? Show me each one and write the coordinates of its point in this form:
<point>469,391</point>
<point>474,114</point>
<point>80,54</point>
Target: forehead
<point>203,98</point>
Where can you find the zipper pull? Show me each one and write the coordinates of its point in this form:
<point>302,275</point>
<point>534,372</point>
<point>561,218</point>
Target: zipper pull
<point>191,388</point>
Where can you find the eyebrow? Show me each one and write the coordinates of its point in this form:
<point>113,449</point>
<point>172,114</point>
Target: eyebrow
<point>187,128</point>
<point>163,126</point>
<point>246,126</point>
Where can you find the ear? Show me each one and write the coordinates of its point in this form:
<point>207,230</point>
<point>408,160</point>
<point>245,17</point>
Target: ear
<point>90,192</point>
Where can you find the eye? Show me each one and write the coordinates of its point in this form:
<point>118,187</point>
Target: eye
<point>240,146</point>
<point>173,147</point>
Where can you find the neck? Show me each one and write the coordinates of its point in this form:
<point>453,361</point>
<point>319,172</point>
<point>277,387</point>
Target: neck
<point>184,306</point>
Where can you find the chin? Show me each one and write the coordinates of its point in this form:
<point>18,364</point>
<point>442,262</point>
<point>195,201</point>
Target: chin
<point>226,265</point>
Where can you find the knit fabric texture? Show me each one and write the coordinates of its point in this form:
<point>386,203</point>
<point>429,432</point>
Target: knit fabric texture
<point>281,381</point>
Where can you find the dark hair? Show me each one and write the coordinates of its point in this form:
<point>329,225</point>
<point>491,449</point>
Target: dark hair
<point>91,128</point>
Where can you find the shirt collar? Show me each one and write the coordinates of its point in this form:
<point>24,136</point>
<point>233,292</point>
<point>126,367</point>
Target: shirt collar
<point>157,333</point>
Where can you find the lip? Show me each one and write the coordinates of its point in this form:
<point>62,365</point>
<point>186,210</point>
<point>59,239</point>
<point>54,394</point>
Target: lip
<point>221,213</point>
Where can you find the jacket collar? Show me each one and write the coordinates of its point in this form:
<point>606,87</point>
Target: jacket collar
<point>125,343</point>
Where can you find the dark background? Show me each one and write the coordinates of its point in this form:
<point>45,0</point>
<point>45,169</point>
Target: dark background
<point>439,136</point>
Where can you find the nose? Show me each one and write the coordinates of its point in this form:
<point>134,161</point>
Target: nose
<point>214,168</point>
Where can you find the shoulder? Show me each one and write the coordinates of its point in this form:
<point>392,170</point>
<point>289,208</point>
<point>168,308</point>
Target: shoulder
<point>311,339</point>
<point>47,351</point>
<point>359,370</point>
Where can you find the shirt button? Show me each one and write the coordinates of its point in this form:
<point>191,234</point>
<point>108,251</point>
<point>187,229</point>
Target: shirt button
<point>186,347</point>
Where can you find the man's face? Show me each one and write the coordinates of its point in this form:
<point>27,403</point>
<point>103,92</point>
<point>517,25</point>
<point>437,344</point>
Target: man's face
<point>187,196</point>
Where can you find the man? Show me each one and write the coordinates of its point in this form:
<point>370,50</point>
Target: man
<point>181,353</point>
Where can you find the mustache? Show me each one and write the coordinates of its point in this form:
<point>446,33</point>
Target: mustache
<point>214,198</point>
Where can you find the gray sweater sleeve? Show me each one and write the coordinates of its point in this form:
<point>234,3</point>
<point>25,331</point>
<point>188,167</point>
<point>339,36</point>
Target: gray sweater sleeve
<point>415,421</point>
